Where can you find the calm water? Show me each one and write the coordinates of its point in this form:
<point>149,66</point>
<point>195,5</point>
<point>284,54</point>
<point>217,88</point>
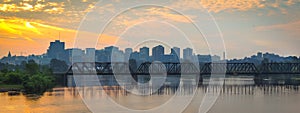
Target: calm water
<point>234,97</point>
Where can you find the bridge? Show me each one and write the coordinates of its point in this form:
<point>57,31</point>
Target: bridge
<point>261,72</point>
<point>170,68</point>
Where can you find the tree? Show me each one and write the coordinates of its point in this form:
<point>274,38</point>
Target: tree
<point>38,84</point>
<point>58,65</point>
<point>32,68</point>
<point>13,78</point>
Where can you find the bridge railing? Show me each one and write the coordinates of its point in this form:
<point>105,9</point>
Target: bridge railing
<point>108,68</point>
<point>280,68</point>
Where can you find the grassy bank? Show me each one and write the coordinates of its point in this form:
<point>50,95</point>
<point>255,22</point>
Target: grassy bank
<point>4,86</point>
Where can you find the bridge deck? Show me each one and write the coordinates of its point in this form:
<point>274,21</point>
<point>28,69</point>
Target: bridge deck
<point>119,68</point>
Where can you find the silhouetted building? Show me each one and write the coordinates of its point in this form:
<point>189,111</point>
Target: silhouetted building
<point>90,54</point>
<point>56,50</point>
<point>188,54</point>
<point>127,53</point>
<point>75,55</point>
<point>158,53</point>
<point>175,51</point>
<point>144,54</point>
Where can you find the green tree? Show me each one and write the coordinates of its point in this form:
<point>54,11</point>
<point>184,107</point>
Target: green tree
<point>32,68</point>
<point>13,78</point>
<point>1,77</point>
<point>38,84</point>
<point>58,66</point>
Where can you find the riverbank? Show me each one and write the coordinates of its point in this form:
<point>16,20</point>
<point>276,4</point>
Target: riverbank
<point>6,88</point>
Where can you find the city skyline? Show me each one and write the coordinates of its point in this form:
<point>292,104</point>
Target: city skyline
<point>171,51</point>
<point>257,26</point>
<point>57,50</point>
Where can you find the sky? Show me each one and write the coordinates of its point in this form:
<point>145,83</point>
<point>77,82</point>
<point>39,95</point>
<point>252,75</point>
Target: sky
<point>246,26</point>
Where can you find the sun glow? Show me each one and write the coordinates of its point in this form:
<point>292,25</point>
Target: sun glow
<point>28,25</point>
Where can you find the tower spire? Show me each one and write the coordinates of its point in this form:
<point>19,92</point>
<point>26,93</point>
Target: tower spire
<point>9,54</point>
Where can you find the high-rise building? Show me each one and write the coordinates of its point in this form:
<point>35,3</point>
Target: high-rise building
<point>111,51</point>
<point>75,55</point>
<point>176,52</point>
<point>56,50</point>
<point>187,54</point>
<point>144,53</point>
<point>127,53</point>
<point>158,53</point>
<point>90,54</point>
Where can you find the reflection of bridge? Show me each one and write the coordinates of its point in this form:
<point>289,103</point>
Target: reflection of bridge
<point>261,72</point>
<point>168,68</point>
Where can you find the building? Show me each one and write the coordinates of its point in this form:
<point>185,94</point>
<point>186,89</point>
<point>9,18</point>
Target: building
<point>260,55</point>
<point>188,54</point>
<point>90,54</point>
<point>176,52</point>
<point>56,50</point>
<point>158,53</point>
<point>127,53</point>
<point>75,55</point>
<point>144,54</point>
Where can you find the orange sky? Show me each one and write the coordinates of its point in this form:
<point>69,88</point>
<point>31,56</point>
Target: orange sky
<point>25,37</point>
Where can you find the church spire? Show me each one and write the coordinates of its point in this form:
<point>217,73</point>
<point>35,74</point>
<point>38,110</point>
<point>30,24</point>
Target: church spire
<point>9,54</point>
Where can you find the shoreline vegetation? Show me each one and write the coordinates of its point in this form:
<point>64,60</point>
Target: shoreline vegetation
<point>29,78</point>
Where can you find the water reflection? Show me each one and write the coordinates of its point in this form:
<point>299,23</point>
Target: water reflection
<point>236,95</point>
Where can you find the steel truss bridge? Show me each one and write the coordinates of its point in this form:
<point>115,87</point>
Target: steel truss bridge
<point>171,68</point>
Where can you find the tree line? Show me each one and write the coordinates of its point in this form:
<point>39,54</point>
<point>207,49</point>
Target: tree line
<point>35,78</point>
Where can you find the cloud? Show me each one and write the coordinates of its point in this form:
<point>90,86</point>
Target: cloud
<point>233,5</point>
<point>63,13</point>
<point>139,15</point>
<point>291,28</point>
<point>19,35</point>
<point>168,14</point>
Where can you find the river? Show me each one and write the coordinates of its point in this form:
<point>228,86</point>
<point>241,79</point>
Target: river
<point>233,97</point>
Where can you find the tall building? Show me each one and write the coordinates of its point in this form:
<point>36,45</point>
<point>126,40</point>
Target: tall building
<point>187,54</point>
<point>176,52</point>
<point>144,53</point>
<point>75,55</point>
<point>111,51</point>
<point>56,50</point>
<point>127,53</point>
<point>158,53</point>
<point>90,54</point>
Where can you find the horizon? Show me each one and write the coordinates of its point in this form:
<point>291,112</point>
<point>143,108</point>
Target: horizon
<point>150,52</point>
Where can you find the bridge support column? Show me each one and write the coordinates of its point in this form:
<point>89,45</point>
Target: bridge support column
<point>200,80</point>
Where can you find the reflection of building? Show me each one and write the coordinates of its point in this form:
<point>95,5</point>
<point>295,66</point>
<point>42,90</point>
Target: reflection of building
<point>158,53</point>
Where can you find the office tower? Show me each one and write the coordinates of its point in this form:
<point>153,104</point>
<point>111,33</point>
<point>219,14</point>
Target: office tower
<point>187,54</point>
<point>158,53</point>
<point>175,51</point>
<point>144,54</point>
<point>56,50</point>
<point>127,53</point>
